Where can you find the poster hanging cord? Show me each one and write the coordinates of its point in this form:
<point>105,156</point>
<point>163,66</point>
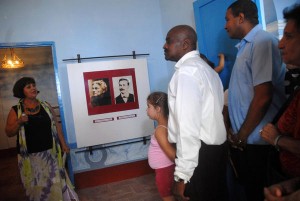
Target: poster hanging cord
<point>79,59</point>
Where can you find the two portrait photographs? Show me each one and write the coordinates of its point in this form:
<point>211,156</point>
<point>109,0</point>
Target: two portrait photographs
<point>110,91</point>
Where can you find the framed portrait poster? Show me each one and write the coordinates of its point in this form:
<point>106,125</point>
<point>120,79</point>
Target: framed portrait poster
<point>110,91</point>
<point>108,101</point>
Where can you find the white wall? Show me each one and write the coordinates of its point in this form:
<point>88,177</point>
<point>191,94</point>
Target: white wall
<point>90,28</point>
<point>273,13</point>
<point>97,28</point>
<point>176,12</point>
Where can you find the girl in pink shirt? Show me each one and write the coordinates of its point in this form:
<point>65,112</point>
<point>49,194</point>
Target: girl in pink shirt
<point>161,154</point>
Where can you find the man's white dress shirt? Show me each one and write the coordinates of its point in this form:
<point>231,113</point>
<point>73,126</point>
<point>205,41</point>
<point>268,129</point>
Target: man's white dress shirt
<point>196,101</point>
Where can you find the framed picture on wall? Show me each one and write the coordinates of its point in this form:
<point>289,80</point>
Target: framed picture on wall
<point>110,91</point>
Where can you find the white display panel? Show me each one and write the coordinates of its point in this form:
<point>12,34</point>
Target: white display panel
<point>109,121</point>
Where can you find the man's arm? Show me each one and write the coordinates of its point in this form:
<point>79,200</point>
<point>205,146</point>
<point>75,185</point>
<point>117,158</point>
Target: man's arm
<point>225,111</point>
<point>226,118</point>
<point>259,106</point>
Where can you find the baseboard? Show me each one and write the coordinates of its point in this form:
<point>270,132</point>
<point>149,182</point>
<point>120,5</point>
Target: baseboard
<point>112,174</point>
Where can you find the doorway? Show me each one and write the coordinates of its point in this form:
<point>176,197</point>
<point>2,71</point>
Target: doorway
<point>40,63</point>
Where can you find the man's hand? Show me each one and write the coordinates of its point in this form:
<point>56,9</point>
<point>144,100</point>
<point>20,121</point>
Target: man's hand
<point>235,141</point>
<point>178,191</point>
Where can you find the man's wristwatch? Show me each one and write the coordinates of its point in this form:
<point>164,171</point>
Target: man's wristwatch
<point>178,179</point>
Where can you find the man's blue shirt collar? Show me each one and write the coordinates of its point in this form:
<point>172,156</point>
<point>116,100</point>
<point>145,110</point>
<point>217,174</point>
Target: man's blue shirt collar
<point>250,36</point>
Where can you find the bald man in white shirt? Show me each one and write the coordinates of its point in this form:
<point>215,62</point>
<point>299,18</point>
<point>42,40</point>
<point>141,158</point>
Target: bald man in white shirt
<point>196,123</point>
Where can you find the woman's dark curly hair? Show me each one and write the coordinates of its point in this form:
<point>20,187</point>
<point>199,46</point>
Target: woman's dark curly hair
<point>18,89</point>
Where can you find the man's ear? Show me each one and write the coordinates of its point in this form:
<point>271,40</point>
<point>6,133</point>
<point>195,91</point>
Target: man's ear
<point>186,44</point>
<point>241,18</point>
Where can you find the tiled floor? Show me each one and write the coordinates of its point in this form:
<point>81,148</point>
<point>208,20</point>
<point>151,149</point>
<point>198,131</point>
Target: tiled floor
<point>138,189</point>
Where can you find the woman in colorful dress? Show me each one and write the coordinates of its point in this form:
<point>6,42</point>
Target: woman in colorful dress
<point>40,144</point>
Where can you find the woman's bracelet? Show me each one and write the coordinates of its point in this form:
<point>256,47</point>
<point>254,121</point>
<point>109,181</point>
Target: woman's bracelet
<point>276,142</point>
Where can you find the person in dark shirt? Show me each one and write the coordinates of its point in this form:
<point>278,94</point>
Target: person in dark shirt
<point>40,144</point>
<point>285,134</point>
